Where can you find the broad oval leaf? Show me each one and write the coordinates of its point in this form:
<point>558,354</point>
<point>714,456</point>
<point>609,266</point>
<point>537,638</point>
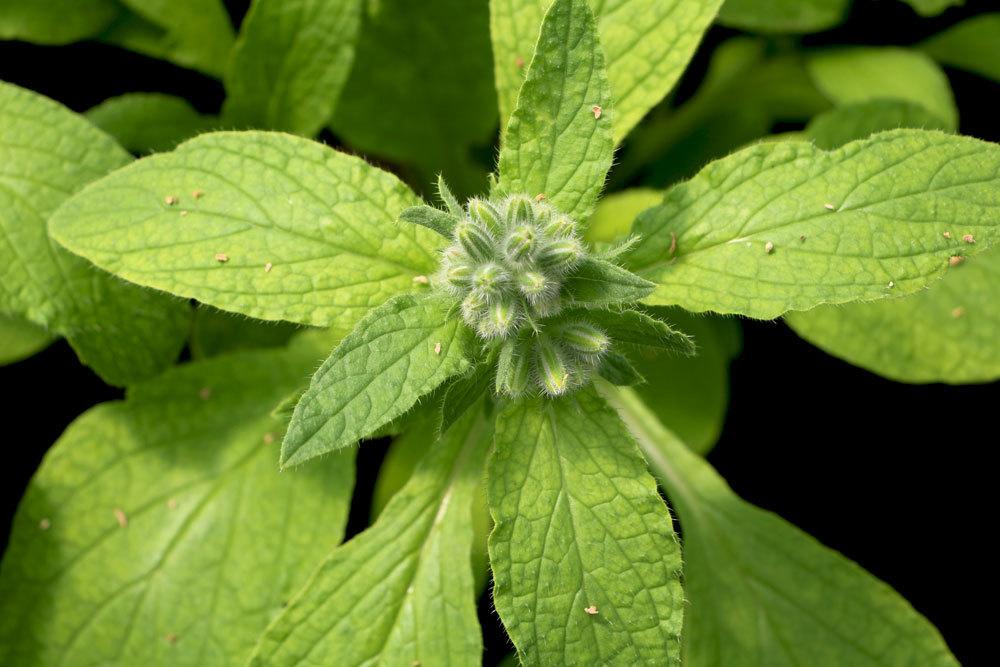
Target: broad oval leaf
<point>786,226</point>
<point>290,63</point>
<point>760,590</point>
<point>149,122</point>
<point>46,154</point>
<point>586,566</point>
<point>401,592</point>
<point>398,353</point>
<point>932,7</point>
<point>264,224</point>
<point>844,124</point>
<point>158,530</point>
<point>559,140</point>
<point>20,339</point>
<point>779,16</point>
<point>972,45</point>
<point>55,21</point>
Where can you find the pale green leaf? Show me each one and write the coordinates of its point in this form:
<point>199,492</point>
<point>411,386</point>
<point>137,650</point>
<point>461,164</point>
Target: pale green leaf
<point>149,122</point>
<point>559,139</point>
<point>158,530</point>
<point>613,217</point>
<point>844,124</point>
<point>860,223</point>
<point>948,333</point>
<point>638,330</point>
<point>932,7</point>
<point>579,524</point>
<point>597,282</point>
<point>55,21</point>
<point>860,74</point>
<point>760,591</point>
<point>973,45</point>
<point>648,44</point>
<point>398,353</point>
<point>421,90</point>
<point>47,153</point>
<point>432,218</point>
<point>290,63</point>
<point>215,332</point>
<point>264,224</point>
<point>781,16</point>
<point>402,592</point>
<point>463,393</point>
<point>19,339</point>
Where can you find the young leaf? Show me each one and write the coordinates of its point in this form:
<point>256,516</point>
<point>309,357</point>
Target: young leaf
<point>463,393</point>
<point>431,218</point>
<point>19,339</point>
<point>49,153</point>
<point>786,226</point>
<point>948,333</point>
<point>757,586</point>
<point>972,45</point>
<point>596,282</point>
<point>158,530</point>
<point>648,44</point>
<point>585,563</point>
<point>639,330</point>
<point>400,593</point>
<point>263,224</point>
<point>847,123</point>
<point>860,74</point>
<point>559,139</point>
<point>55,21</point>
<point>795,16</point>
<point>618,370</point>
<point>398,353</point>
<point>149,122</point>
<point>290,63</point>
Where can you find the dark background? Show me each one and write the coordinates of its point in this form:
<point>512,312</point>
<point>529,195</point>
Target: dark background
<point>896,477</point>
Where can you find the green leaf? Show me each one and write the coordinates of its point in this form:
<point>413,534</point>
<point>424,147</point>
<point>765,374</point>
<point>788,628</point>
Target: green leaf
<point>648,44</point>
<point>759,589</point>
<point>463,393</point>
<point>432,218</point>
<point>192,33</point>
<point>579,524</point>
<point>596,282</point>
<point>215,332</point>
<point>290,63</point>
<point>618,370</point>
<point>281,228</point>
<point>398,353</point>
<point>55,21</point>
<point>781,16</point>
<point>612,219</point>
<point>639,330</point>
<point>861,74</point>
<point>19,339</point>
<point>972,45</point>
<point>932,7</point>
<point>158,530</point>
<point>844,124</point>
<point>47,153</point>
<point>860,223</point>
<point>559,139</point>
<point>400,593</point>
<point>421,89</point>
<point>149,122</point>
<point>949,333</point>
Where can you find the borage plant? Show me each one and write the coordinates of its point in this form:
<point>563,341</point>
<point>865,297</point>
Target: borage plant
<point>516,344</point>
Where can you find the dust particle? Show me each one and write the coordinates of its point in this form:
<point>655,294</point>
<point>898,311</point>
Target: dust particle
<point>830,207</point>
<point>673,245</point>
<point>221,257</point>
<point>891,284</point>
<point>802,239</point>
<point>44,524</point>
<point>947,235</point>
<point>769,247</point>
<point>172,503</point>
<point>969,238</point>
<point>955,260</point>
<point>957,312</point>
<point>519,62</point>
<point>268,438</point>
<point>540,196</point>
<point>421,280</point>
<point>205,393</point>
<point>120,517</point>
<point>198,194</point>
<point>170,200</point>
<point>171,638</point>
<point>597,111</point>
<point>437,348</point>
<point>268,267</point>
<point>592,610</point>
<point>183,213</point>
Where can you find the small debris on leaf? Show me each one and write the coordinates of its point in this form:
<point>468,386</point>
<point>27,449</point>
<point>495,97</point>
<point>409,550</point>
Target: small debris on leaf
<point>957,312</point>
<point>268,438</point>
<point>769,247</point>
<point>947,235</point>
<point>597,111</point>
<point>830,207</point>
<point>437,348</point>
<point>421,280</point>
<point>172,504</point>
<point>268,267</point>
<point>221,257</point>
<point>540,196</point>
<point>198,194</point>
<point>891,284</point>
<point>969,238</point>
<point>44,524</point>
<point>955,260</point>
<point>170,200</point>
<point>120,517</point>
<point>802,239</point>
<point>183,213</point>
<point>592,610</point>
<point>205,393</point>
<point>519,62</point>
<point>673,245</point>
<point>171,638</point>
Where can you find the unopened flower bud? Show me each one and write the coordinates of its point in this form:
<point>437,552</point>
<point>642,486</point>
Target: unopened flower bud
<point>519,210</point>
<point>559,227</point>
<point>520,243</point>
<point>513,368</point>
<point>560,256</point>
<point>553,374</point>
<point>473,306</point>
<point>533,285</point>
<point>500,319</point>
<point>583,338</point>
<point>458,276</point>
<point>490,279</point>
<point>475,240</point>
<point>484,213</point>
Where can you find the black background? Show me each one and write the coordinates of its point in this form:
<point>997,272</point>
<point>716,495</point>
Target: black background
<point>896,477</point>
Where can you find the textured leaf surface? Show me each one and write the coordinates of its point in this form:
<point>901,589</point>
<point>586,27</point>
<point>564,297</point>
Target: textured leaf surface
<point>400,593</point>
<point>973,45</point>
<point>783,15</point>
<point>158,530</point>
<point>760,591</point>
<point>421,90</point>
<point>648,43</point>
<point>324,221</point>
<point>20,339</point>
<point>149,122</point>
<point>597,282</point>
<point>400,352</point>
<point>860,74</point>
<point>579,524</point>
<point>46,154</point>
<point>872,215</point>
<point>559,139</point>
<point>55,21</point>
<point>290,63</point>
<point>844,124</point>
<point>948,333</point>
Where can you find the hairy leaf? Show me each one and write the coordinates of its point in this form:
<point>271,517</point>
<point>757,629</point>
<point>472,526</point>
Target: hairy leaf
<point>19,339</point>
<point>149,122</point>
<point>559,140</point>
<point>648,43</point>
<point>400,352</point>
<point>400,593</point>
<point>795,16</point>
<point>847,123</point>
<point>639,330</point>
<point>597,282</point>
<point>786,226</point>
<point>158,530</point>
<point>972,44</point>
<point>290,63</point>
<point>464,393</point>
<point>263,224</point>
<point>580,526</point>
<point>46,154</point>
<point>55,21</point>
<point>431,218</point>
<point>760,590</point>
